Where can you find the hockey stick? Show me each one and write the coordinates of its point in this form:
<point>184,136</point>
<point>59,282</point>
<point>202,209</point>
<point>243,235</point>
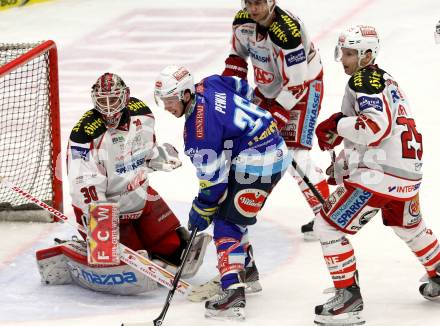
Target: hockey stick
<point>308,183</point>
<point>127,255</point>
<point>159,320</point>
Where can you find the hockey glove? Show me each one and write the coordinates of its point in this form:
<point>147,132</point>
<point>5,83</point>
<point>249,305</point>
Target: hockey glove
<point>201,215</point>
<point>337,173</point>
<point>279,114</point>
<point>327,133</point>
<point>235,66</point>
<point>166,160</point>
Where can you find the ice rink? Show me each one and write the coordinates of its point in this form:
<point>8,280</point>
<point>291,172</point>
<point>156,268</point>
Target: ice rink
<point>135,39</point>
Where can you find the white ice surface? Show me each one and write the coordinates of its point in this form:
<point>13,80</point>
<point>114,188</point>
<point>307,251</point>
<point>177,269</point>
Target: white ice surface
<point>136,38</point>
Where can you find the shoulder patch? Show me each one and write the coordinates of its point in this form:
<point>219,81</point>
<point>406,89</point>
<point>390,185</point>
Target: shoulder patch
<point>90,126</point>
<point>137,107</point>
<point>242,17</point>
<point>367,80</point>
<point>285,31</point>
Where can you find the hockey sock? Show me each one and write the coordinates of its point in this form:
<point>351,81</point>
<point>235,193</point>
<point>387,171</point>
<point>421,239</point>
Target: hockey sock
<point>230,251</point>
<point>338,253</point>
<point>423,243</point>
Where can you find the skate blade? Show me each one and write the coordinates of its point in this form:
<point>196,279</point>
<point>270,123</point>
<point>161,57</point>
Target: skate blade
<point>310,236</point>
<point>236,314</point>
<point>347,319</point>
<point>253,287</point>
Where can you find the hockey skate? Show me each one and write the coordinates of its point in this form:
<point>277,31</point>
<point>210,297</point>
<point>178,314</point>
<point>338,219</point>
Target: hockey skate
<point>343,309</point>
<point>229,304</point>
<point>209,289</point>
<point>431,289</point>
<point>307,231</point>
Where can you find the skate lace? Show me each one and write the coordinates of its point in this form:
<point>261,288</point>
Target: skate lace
<point>337,299</point>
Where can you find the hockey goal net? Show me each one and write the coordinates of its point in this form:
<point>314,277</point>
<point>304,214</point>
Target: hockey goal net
<point>29,129</point>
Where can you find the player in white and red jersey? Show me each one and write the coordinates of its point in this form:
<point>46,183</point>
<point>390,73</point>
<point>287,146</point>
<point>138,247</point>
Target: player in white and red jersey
<point>380,169</point>
<point>288,74</point>
<point>110,152</point>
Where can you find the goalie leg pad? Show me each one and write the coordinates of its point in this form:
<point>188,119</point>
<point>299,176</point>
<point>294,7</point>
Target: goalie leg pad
<point>67,263</point>
<point>196,255</point>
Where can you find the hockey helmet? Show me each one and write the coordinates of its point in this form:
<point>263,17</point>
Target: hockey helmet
<point>173,81</point>
<point>110,96</point>
<point>361,38</point>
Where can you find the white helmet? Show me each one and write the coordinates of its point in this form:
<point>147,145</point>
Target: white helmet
<point>173,81</point>
<point>270,3</point>
<point>437,33</point>
<point>361,38</point>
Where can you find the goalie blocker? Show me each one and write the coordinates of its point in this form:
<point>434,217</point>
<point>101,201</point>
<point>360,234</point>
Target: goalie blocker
<point>94,264</point>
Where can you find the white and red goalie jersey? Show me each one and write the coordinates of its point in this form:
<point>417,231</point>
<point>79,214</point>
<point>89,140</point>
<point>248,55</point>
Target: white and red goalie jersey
<point>110,165</point>
<point>382,145</point>
<point>283,57</point>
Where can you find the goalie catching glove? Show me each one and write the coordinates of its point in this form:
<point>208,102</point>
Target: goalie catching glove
<point>201,215</point>
<point>166,160</point>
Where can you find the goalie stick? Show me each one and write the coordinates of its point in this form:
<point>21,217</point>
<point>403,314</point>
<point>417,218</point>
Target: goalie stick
<point>127,255</point>
<point>159,320</point>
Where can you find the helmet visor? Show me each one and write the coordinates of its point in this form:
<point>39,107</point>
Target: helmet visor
<point>166,102</point>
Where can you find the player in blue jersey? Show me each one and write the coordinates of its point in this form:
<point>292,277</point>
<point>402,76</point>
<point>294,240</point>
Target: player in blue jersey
<point>239,156</point>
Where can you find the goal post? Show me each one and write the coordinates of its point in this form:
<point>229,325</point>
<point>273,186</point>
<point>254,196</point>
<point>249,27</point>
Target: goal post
<point>30,142</point>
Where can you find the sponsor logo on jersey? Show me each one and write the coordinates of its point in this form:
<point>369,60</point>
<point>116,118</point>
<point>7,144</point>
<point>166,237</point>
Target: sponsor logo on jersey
<point>350,208</point>
<point>220,102</point>
<point>248,202</point>
<point>366,102</point>
<point>255,55</point>
<point>136,106</point>
<point>262,76</point>
<point>108,279</point>
<point>138,124</point>
<point>80,153</point>
<point>295,57</point>
<point>133,164</point>
<point>311,115</point>
<point>404,189</point>
<point>118,139</point>
<point>363,121</point>
<point>394,95</point>
<point>200,121</point>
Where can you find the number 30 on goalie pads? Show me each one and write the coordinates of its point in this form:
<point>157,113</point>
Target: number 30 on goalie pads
<point>103,234</point>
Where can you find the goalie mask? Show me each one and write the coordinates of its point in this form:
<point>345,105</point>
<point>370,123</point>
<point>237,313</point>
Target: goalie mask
<point>172,83</point>
<point>110,96</point>
<point>360,38</point>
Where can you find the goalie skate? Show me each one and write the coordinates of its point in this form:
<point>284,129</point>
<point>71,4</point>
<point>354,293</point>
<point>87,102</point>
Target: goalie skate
<point>211,288</point>
<point>228,305</point>
<point>343,309</point>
